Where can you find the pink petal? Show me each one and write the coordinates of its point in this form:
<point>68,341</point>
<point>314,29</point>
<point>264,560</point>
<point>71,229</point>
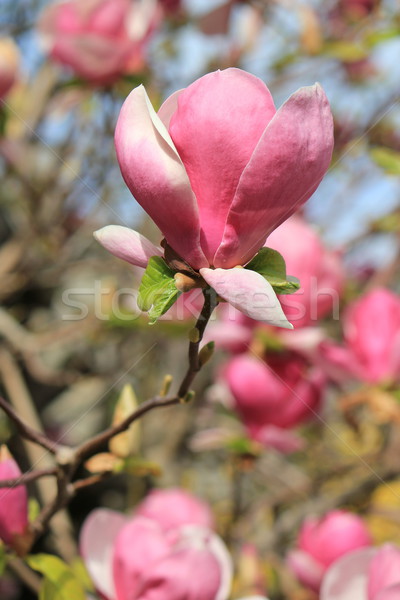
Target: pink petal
<point>97,539</point>
<point>98,59</point>
<point>109,16</point>
<point>285,169</point>
<point>228,335</point>
<point>127,244</point>
<point>384,570</point>
<point>346,579</point>
<point>390,593</point>
<point>140,544</point>
<point>218,123</point>
<point>174,508</point>
<point>249,292</point>
<point>156,176</point>
<point>307,570</point>
<point>282,440</point>
<point>169,107</point>
<point>13,503</point>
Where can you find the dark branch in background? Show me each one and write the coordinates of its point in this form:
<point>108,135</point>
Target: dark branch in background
<point>26,431</point>
<point>28,477</point>
<point>69,459</point>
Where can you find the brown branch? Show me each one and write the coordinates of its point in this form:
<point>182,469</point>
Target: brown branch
<point>28,477</point>
<point>102,438</point>
<point>27,432</point>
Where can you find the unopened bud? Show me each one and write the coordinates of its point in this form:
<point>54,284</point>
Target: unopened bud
<point>188,397</point>
<point>166,385</point>
<point>184,283</point>
<point>206,353</point>
<point>194,335</point>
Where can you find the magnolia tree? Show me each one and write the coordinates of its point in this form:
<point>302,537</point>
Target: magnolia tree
<point>255,303</point>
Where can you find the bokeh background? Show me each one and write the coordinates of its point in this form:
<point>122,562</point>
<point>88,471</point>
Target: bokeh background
<point>71,335</point>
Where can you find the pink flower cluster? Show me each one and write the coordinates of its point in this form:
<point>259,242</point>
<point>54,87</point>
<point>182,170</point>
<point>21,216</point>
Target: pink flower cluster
<point>321,542</point>
<point>100,40</point>
<point>165,551</point>
<point>218,168</point>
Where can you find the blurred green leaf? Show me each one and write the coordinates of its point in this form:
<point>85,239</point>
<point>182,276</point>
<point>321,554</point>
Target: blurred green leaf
<point>33,509</point>
<point>81,573</point>
<point>3,558</point>
<point>387,159</point>
<point>376,37</point>
<point>139,467</point>
<point>157,291</point>
<point>271,265</point>
<point>60,582</point>
<point>345,51</point>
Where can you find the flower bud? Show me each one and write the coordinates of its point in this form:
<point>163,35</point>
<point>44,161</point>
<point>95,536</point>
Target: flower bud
<point>13,502</point>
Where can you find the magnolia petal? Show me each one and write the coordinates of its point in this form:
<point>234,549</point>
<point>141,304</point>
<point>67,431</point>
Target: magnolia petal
<point>346,579</point>
<point>127,244</point>
<point>216,127</point>
<point>249,292</point>
<point>207,541</point>
<point>156,176</point>
<point>308,571</point>
<point>97,538</point>
<point>169,107</point>
<point>390,593</point>
<point>284,171</point>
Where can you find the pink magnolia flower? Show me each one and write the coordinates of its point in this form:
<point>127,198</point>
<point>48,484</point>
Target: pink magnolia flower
<point>9,63</point>
<point>372,339</point>
<point>322,541</point>
<point>218,169</point>
<point>273,396</point>
<point>174,508</point>
<point>371,574</point>
<point>13,502</point>
<point>136,559</point>
<point>318,269</point>
<point>98,39</point>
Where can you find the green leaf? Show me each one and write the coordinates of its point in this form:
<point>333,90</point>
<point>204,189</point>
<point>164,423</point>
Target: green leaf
<point>139,467</point>
<point>3,558</point>
<point>60,582</point>
<point>387,159</point>
<point>157,291</point>
<point>345,51</point>
<point>33,509</point>
<point>271,265</point>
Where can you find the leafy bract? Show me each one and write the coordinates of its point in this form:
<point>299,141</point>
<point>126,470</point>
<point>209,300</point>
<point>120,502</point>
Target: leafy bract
<point>271,265</point>
<point>157,291</point>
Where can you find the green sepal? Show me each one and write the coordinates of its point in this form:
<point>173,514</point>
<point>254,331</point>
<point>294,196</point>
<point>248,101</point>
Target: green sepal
<point>60,582</point>
<point>157,291</point>
<point>271,265</point>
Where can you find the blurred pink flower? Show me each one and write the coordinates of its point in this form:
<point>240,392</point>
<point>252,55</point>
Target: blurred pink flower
<point>13,502</point>
<point>139,559</point>
<point>372,574</point>
<point>174,508</point>
<point>319,270</point>
<point>9,63</point>
<point>372,336</point>
<point>99,40</point>
<point>218,169</point>
<point>322,541</point>
<point>274,395</point>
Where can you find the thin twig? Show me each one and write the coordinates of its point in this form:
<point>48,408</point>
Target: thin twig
<point>27,432</point>
<point>28,477</point>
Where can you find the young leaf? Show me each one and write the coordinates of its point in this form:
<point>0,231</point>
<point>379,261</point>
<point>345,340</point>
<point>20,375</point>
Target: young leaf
<point>157,291</point>
<point>60,582</point>
<point>126,443</point>
<point>271,265</point>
